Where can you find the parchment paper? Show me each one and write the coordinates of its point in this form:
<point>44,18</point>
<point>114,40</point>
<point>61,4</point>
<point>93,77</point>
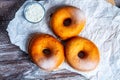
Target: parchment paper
<point>102,27</point>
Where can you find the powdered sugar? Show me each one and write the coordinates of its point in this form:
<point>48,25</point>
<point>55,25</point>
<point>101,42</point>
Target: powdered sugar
<point>34,12</point>
<point>48,63</point>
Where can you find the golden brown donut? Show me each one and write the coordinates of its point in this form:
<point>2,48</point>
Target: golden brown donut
<point>67,21</point>
<point>82,54</point>
<point>111,1</point>
<point>46,51</point>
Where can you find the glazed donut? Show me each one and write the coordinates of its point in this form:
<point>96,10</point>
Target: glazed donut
<point>67,21</point>
<point>82,54</point>
<point>46,51</point>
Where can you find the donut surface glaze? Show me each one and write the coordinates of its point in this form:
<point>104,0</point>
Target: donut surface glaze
<point>46,51</point>
<point>67,21</point>
<point>82,54</point>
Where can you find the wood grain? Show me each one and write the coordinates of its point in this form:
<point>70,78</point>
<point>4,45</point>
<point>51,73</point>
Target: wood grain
<point>13,62</point>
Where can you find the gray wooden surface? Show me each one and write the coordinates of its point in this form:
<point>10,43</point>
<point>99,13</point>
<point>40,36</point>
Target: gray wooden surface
<point>13,61</point>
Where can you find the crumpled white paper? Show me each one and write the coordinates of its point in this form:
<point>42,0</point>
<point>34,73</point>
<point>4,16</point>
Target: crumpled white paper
<point>102,27</point>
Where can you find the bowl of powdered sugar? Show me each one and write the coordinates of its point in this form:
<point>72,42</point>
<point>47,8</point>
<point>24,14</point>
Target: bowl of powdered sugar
<point>34,12</point>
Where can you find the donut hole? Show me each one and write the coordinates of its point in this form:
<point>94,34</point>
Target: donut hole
<point>82,54</point>
<point>47,52</point>
<point>67,22</point>
<point>51,14</point>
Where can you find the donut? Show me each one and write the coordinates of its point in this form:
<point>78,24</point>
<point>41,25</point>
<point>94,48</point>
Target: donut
<point>67,21</point>
<point>111,1</point>
<point>46,51</point>
<point>81,54</point>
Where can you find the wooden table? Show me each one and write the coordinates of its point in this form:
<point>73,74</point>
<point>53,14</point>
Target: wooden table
<point>13,61</point>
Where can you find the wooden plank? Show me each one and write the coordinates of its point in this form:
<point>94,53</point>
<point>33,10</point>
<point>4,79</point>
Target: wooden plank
<point>4,39</point>
<point>117,3</point>
<point>8,8</point>
<point>13,61</point>
<point>13,69</point>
